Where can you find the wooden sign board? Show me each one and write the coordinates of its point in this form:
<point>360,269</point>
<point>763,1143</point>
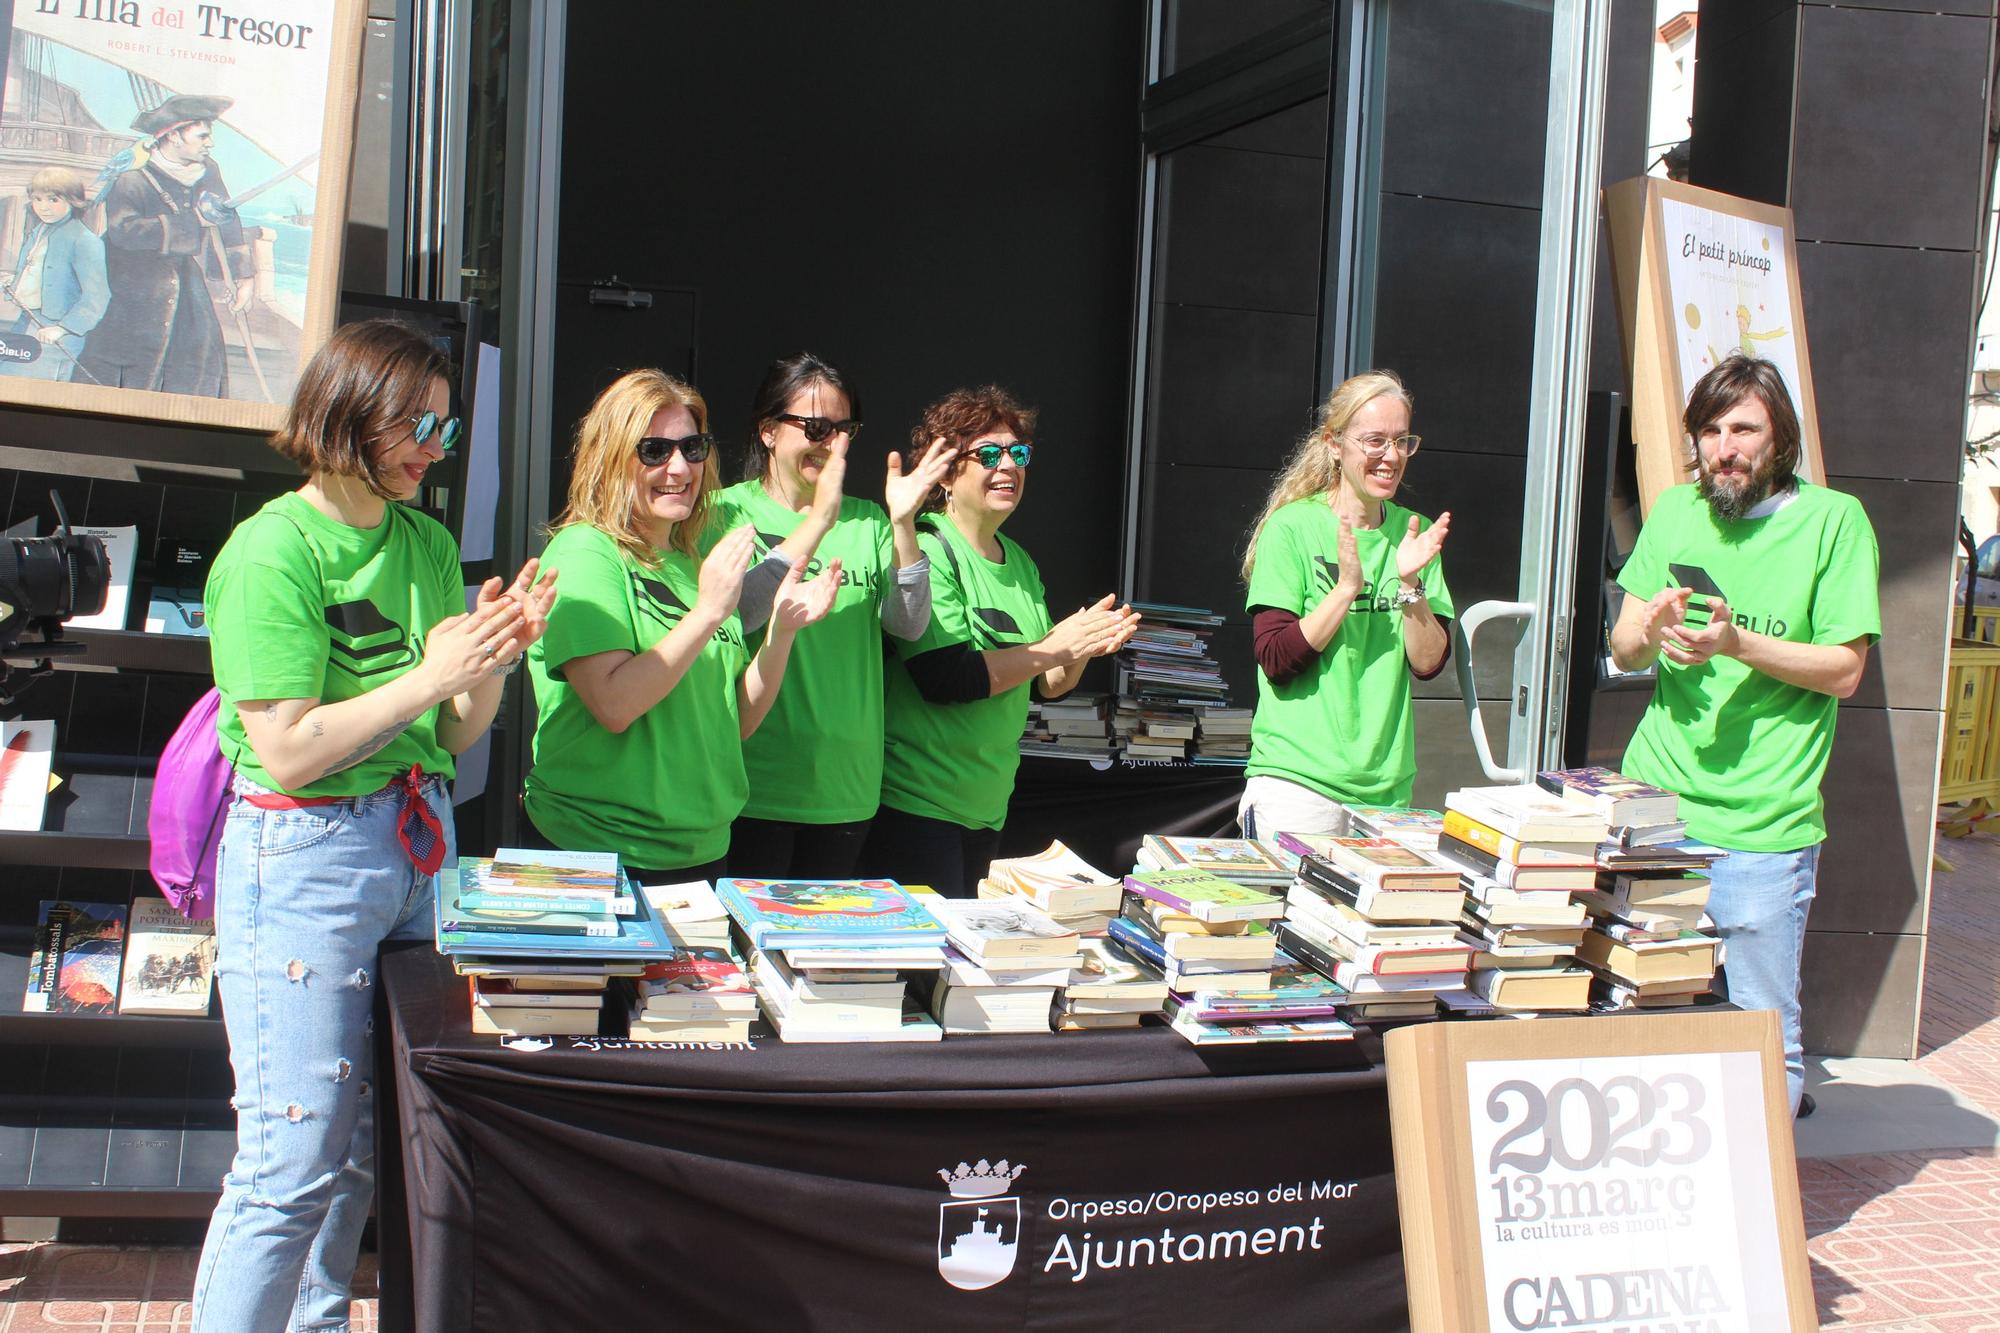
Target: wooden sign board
<point>1586,1174</point>
<point>1701,275</point>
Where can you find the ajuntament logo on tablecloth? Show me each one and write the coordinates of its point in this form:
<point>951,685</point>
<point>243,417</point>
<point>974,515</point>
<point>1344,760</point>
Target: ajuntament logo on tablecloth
<point>979,1231</point>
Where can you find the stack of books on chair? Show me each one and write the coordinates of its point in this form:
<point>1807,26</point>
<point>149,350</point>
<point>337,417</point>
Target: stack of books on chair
<point>827,957</point>
<point>1300,1004</point>
<point>1529,861</point>
<point>1005,962</point>
<point>529,925</point>
<point>1059,882</point>
<point>1110,987</point>
<point>1245,861</point>
<point>1076,726</point>
<point>1378,917</point>
<point>1647,946</point>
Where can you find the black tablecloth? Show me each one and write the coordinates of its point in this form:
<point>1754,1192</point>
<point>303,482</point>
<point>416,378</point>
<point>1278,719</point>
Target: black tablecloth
<point>602,1185</point>
<point>1093,810</point>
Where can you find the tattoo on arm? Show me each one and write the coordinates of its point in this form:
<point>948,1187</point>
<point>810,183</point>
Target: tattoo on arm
<point>319,728</point>
<point>368,747</point>
<point>270,712</point>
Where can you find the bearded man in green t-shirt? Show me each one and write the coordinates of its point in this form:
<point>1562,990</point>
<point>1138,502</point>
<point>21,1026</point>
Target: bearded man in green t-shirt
<point>1756,593</point>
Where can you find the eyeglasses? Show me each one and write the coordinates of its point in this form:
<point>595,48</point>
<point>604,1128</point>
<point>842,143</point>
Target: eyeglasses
<point>989,454</point>
<point>1377,445</point>
<point>431,421</point>
<point>657,449</point>
<point>821,429</point>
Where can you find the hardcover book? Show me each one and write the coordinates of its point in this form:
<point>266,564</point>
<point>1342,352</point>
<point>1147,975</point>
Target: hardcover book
<point>532,917</point>
<point>1623,801</point>
<point>169,961</point>
<point>844,913</point>
<point>1205,896</point>
<point>638,936</point>
<point>74,968</point>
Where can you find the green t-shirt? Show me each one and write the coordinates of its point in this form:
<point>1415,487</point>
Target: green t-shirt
<point>1343,725</point>
<point>1744,750</point>
<point>663,792</point>
<point>957,761</point>
<point>817,756</point>
<point>302,606</point>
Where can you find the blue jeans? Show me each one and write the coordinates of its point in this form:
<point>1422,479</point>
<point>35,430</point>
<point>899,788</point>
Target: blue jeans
<point>304,900</point>
<point>1759,901</point>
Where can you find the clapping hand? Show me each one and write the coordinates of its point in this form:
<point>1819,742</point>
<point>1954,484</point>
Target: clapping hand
<point>1097,630</point>
<point>533,596</point>
<point>798,603</point>
<point>1688,646</point>
<point>829,487</point>
<point>904,493</point>
<point>1417,549</point>
<point>721,582</point>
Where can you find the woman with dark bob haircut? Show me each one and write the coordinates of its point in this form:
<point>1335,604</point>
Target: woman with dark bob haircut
<point>350,675</point>
<point>956,709</point>
<point>815,766</point>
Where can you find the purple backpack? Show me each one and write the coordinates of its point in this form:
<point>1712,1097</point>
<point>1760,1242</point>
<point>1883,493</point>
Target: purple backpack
<point>190,797</point>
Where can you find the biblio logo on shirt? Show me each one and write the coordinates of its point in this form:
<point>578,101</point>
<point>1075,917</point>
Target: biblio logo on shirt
<point>659,603</point>
<point>365,642</point>
<point>1326,573</point>
<point>979,1231</point>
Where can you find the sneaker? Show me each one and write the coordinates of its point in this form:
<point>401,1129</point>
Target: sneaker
<point>1806,1105</point>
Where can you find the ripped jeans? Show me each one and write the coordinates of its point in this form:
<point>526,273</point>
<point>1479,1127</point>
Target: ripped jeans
<point>304,900</point>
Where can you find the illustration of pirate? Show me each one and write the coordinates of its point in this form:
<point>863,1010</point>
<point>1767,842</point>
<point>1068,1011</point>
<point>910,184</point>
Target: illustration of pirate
<point>168,228</point>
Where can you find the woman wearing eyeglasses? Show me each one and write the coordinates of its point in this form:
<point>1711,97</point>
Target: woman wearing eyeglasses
<point>815,765</point>
<point>1346,591</point>
<point>956,709</point>
<point>644,685</point>
<point>350,675</point>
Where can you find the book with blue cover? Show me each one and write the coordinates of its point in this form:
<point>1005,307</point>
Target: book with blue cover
<point>816,913</point>
<point>638,936</point>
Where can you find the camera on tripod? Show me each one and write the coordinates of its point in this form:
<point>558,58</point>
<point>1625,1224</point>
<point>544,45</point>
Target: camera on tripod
<point>43,582</point>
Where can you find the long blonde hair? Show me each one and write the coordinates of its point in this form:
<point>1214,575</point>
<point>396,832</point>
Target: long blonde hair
<point>1314,466</point>
<point>602,491</point>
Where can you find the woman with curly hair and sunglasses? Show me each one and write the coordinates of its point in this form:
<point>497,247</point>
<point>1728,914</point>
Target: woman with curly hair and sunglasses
<point>645,684</point>
<point>815,766</point>
<point>957,706</point>
<point>1348,600</point>
<point>350,675</point>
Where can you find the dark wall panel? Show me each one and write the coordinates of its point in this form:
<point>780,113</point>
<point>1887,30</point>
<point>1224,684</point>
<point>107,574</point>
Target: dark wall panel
<point>1888,109</point>
<point>1912,521</point>
<point>1244,229</point>
<point>845,179</point>
<point>1875,869</point>
<point>1455,317</point>
<point>1888,328</point>
<point>1230,386</point>
<point>1466,96</point>
<point>1860,994</point>
<point>1745,71</point>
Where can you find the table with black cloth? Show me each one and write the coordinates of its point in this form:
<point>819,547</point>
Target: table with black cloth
<point>1090,808</point>
<point>605,1185</point>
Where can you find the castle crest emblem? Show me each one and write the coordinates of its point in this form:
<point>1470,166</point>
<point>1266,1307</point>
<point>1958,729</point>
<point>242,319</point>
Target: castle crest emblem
<point>979,1230</point>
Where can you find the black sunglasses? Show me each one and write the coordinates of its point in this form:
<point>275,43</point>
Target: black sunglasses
<point>989,454</point>
<point>431,421</point>
<point>657,449</point>
<point>821,429</point>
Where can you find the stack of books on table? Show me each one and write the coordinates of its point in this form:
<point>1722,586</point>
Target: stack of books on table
<point>1300,1004</point>
<point>689,913</point>
<point>1005,963</point>
<point>1413,828</point>
<point>1109,987</point>
<point>1077,726</point>
<point>702,993</point>
<point>1202,934</point>
<point>1167,675</point>
<point>540,934</point>
<point>1381,919</point>
<point>1222,734</point>
<point>1647,946</point>
<point>1246,861</point>
<point>1061,883</point>
<point>827,956</point>
<point>1530,867</point>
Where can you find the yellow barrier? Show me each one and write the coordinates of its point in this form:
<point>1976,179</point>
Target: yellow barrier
<point>1971,768</point>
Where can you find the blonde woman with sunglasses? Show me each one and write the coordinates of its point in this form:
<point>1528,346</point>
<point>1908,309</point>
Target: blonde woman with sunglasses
<point>646,682</point>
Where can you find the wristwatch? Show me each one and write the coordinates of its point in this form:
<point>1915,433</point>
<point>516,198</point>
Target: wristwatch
<point>1410,596</point>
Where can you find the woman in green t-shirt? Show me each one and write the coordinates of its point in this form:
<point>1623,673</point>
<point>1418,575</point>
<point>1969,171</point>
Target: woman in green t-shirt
<point>956,708</point>
<point>645,685</point>
<point>1346,590</point>
<point>815,766</point>
<point>350,675</point>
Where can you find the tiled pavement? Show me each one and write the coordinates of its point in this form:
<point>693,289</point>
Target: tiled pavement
<point>1900,1242</point>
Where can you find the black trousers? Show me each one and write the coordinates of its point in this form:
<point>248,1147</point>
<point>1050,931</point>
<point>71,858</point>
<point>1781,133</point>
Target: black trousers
<point>783,849</point>
<point>915,849</point>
